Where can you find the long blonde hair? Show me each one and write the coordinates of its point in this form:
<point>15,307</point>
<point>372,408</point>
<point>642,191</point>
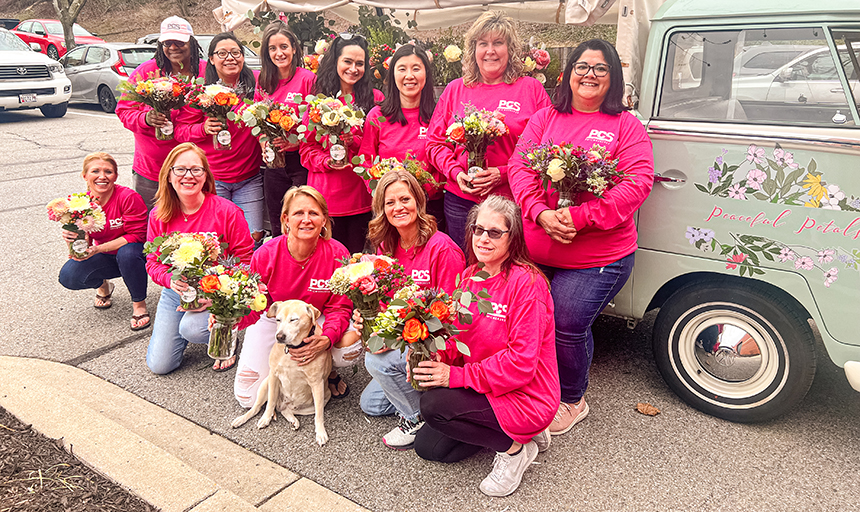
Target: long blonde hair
<point>166,200</point>
<point>309,191</point>
<point>380,232</point>
<point>487,23</point>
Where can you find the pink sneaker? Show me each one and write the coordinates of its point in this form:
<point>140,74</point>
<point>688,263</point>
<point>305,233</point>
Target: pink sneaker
<point>567,416</point>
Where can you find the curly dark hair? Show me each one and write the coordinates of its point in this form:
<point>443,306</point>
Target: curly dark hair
<point>390,106</point>
<point>166,66</point>
<point>246,76</point>
<point>328,81</point>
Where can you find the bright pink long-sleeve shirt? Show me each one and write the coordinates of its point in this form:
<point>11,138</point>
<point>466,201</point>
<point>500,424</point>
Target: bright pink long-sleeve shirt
<point>149,152</point>
<point>239,163</point>
<point>217,216</point>
<point>290,92</point>
<point>434,265</point>
<point>288,279</point>
<point>513,360</point>
<point>605,228</point>
<point>343,189</point>
<point>126,217</point>
<point>517,101</point>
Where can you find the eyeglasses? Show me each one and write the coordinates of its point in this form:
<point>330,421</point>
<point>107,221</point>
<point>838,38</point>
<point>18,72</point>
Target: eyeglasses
<point>346,36</point>
<point>169,43</point>
<point>494,233</point>
<point>236,54</point>
<point>582,69</point>
<point>180,172</point>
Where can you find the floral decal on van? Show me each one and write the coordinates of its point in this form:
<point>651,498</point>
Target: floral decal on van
<point>777,179</point>
<point>747,251</point>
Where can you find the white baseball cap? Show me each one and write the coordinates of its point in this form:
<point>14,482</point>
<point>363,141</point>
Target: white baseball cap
<point>175,28</point>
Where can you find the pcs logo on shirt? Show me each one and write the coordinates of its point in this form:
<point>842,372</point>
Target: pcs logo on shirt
<point>420,276</point>
<point>422,132</point>
<point>600,136</point>
<point>512,106</point>
<point>500,311</point>
<point>318,285</point>
<point>115,223</point>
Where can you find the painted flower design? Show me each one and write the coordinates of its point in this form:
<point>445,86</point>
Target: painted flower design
<point>831,199</point>
<point>736,191</point>
<point>825,255</point>
<point>707,234</point>
<point>784,158</point>
<point>693,235</point>
<point>755,178</point>
<point>804,263</point>
<point>734,260</point>
<point>755,154</point>
<point>830,276</point>
<point>714,174</point>
<point>814,187</point>
<point>786,254</point>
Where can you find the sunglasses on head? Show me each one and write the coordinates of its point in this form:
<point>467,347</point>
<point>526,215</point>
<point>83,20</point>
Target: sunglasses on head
<point>346,36</point>
<point>170,42</point>
<point>493,233</point>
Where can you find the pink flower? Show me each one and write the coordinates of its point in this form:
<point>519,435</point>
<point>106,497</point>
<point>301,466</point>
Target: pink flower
<point>593,156</point>
<point>755,178</point>
<point>755,154</point>
<point>804,263</point>
<point>825,255</point>
<point>786,254</point>
<point>736,191</point>
<point>736,258</point>
<point>541,58</point>
<point>366,285</point>
<point>830,276</point>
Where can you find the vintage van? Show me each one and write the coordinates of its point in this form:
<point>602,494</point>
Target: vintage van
<point>752,232</point>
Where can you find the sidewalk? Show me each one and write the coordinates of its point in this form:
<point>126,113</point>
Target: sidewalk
<point>168,461</point>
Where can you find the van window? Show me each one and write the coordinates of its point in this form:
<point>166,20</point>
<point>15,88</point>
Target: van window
<point>761,76</point>
<point>849,56</point>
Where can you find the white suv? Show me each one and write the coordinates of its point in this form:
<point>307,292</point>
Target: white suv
<point>31,80</point>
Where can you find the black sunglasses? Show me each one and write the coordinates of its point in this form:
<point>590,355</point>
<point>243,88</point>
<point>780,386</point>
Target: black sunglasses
<point>171,42</point>
<point>494,233</point>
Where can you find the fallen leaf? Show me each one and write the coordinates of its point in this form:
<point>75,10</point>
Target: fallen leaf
<point>647,409</point>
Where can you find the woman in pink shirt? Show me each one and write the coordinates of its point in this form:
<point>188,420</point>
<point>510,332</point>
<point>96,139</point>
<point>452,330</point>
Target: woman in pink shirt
<point>236,170</point>
<point>186,202</point>
<point>504,395</point>
<point>402,229</point>
<point>492,80</point>
<point>175,54</point>
<point>398,126</point>
<point>117,250</point>
<point>296,265</point>
<point>342,73</point>
<point>283,79</point>
<point>587,249</point>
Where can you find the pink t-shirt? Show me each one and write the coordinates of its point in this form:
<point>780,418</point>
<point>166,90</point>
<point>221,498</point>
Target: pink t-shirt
<point>292,91</point>
<point>434,265</point>
<point>517,101</point>
<point>149,152</point>
<point>288,279</point>
<point>218,216</point>
<point>513,360</point>
<point>239,163</point>
<point>605,228</point>
<point>126,217</point>
<point>343,189</point>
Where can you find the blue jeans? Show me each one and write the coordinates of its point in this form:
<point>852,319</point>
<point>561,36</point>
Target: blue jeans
<point>128,263</point>
<point>389,391</point>
<point>456,212</point>
<point>247,195</point>
<point>171,333</point>
<point>579,295</point>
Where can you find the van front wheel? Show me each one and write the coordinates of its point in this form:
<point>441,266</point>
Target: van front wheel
<point>734,350</point>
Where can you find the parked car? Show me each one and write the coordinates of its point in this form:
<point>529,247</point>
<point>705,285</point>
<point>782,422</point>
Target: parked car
<point>251,57</point>
<point>31,80</point>
<point>9,23</point>
<point>48,34</point>
<point>96,69</point>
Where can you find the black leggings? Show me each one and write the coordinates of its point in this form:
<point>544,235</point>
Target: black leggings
<point>276,182</point>
<point>459,422</point>
<point>351,231</point>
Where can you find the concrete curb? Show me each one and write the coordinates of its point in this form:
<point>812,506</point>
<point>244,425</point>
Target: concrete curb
<point>166,460</point>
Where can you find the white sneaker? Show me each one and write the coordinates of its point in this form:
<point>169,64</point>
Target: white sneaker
<point>508,471</point>
<point>402,437</point>
<point>542,440</point>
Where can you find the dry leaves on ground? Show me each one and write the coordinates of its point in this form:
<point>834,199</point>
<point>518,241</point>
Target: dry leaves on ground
<point>647,409</point>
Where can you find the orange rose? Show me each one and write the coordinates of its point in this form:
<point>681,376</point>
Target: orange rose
<point>210,284</point>
<point>414,330</point>
<point>439,309</point>
<point>287,123</point>
<point>275,116</point>
<point>458,134</point>
<point>380,263</point>
<point>222,98</point>
<point>315,115</point>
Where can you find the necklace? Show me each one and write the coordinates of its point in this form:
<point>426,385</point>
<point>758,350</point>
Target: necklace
<point>304,262</point>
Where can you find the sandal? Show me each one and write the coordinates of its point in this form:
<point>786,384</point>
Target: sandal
<point>106,303</point>
<point>225,368</point>
<point>335,381</point>
<point>139,326</point>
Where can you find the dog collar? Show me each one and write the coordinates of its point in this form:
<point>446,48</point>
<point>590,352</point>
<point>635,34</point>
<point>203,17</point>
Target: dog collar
<point>300,345</point>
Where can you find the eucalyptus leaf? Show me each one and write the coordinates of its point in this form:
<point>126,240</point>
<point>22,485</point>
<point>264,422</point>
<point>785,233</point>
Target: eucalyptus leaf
<point>463,348</point>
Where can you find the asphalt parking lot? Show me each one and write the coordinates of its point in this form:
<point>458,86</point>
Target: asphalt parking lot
<point>617,459</point>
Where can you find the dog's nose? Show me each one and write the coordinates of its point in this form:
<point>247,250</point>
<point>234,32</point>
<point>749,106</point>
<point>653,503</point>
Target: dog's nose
<point>280,337</point>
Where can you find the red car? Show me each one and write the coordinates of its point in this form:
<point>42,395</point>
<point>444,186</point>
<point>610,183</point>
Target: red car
<point>48,34</point>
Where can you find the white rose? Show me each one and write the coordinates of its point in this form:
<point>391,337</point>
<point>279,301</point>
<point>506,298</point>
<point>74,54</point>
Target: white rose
<point>555,170</point>
<point>452,53</point>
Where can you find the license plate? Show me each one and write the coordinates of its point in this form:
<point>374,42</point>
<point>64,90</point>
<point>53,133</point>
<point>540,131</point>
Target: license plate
<point>26,98</point>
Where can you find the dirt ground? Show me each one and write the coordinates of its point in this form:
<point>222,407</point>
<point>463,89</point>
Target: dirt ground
<point>38,475</point>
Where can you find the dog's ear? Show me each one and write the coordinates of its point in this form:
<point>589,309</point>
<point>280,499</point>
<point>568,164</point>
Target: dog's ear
<point>313,312</point>
<point>273,310</point>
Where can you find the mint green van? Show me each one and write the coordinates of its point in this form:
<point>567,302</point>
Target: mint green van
<point>751,235</point>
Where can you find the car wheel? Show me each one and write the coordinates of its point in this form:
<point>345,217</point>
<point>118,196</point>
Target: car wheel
<point>107,99</point>
<point>734,350</point>
<point>52,52</point>
<point>54,110</point>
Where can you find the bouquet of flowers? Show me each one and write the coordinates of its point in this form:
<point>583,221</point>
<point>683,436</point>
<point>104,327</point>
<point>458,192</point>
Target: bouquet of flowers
<point>78,213</point>
<point>571,169</point>
<point>269,120</point>
<point>215,100</point>
<point>367,279</point>
<point>423,321</point>
<point>380,166</point>
<point>535,59</point>
<point>380,58</point>
<point>188,255</point>
<point>312,61</point>
<point>475,132</point>
<point>234,291</point>
<point>330,119</point>
<point>163,94</point>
